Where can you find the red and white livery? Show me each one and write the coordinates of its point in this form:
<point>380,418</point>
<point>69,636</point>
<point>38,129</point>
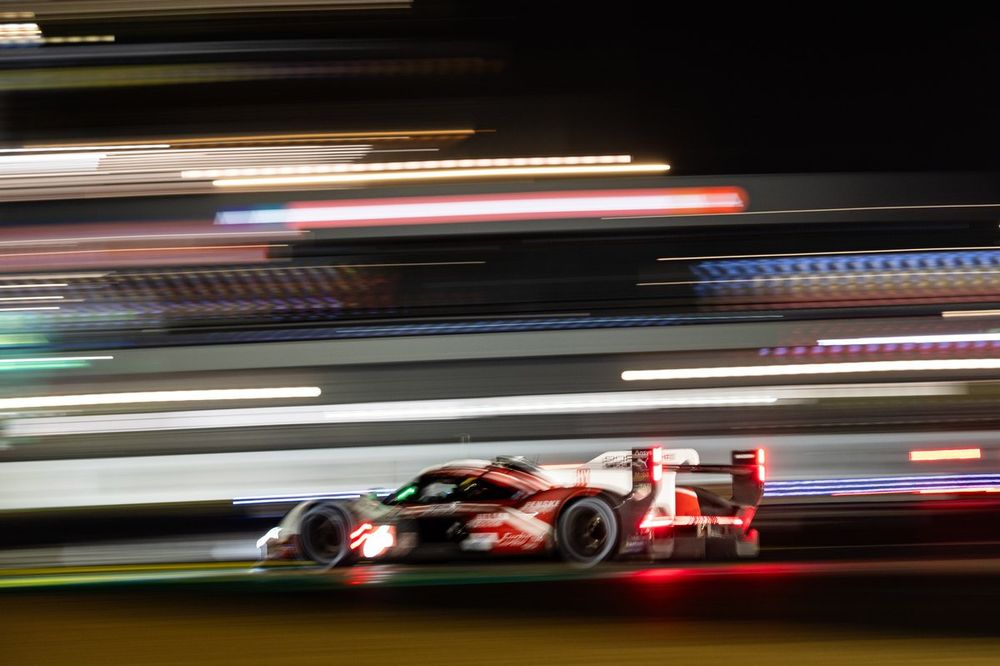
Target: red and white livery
<point>620,504</point>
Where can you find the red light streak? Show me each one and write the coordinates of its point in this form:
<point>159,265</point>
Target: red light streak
<point>651,522</point>
<point>364,527</point>
<point>523,206</point>
<point>360,535</point>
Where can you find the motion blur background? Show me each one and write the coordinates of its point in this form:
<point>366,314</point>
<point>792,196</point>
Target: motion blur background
<point>258,251</point>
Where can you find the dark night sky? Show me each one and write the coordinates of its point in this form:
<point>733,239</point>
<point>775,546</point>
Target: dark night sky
<point>709,90</point>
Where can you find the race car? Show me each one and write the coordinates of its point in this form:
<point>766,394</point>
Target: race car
<point>621,504</point>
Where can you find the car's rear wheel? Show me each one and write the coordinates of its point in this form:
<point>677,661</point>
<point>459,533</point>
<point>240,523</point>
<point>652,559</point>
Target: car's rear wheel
<point>587,532</point>
<point>324,536</point>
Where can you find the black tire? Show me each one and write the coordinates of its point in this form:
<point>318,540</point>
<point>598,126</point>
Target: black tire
<point>324,536</point>
<point>587,532</point>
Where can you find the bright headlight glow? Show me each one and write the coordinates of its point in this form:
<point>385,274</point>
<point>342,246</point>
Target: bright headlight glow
<point>378,541</point>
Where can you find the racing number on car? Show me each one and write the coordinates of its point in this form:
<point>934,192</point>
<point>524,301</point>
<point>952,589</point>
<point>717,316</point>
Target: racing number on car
<point>583,476</point>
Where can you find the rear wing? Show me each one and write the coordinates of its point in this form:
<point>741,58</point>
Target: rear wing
<point>748,469</point>
<point>639,472</point>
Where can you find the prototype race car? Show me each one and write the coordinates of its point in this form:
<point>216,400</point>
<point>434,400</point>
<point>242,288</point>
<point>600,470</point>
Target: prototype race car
<point>620,504</point>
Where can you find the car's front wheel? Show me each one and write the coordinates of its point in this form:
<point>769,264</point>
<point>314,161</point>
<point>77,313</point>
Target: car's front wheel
<point>587,532</point>
<point>324,536</point>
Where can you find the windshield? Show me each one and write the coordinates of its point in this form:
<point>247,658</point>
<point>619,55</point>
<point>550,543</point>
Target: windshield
<point>438,488</point>
<point>428,490</point>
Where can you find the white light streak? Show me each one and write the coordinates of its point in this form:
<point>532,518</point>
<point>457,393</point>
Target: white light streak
<point>811,369</point>
<point>406,166</point>
<point>63,149</point>
<point>470,408</point>
<point>51,276</point>
<point>385,412</point>
<point>27,309</point>
<point>32,286</point>
<point>9,299</point>
<point>970,313</point>
<point>908,339</point>
<point>465,408</point>
<point>78,39</point>
<point>442,174</point>
<point>142,397</point>
<point>53,359</point>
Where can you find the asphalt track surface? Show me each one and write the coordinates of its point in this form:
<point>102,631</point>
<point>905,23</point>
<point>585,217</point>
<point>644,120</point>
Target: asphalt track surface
<point>893,610</point>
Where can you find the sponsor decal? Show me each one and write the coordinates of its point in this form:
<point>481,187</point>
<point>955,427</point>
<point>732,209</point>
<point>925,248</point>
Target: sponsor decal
<point>480,542</point>
<point>519,540</point>
<point>620,461</point>
<point>487,520</point>
<point>541,506</point>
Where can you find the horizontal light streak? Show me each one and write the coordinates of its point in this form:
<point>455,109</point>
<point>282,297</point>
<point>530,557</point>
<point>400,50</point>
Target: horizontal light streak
<point>280,269</point>
<point>254,138</point>
<point>20,33</point>
<point>970,313</point>
<point>935,455</point>
<point>102,10</point>
<point>470,408</point>
<point>488,208</point>
<point>177,151</point>
<point>146,237</point>
<point>104,163</point>
<point>444,174</point>
<point>881,485</point>
<point>54,359</point>
<point>830,253</point>
<point>811,369</point>
<point>84,148</point>
<point>891,390</point>
<point>79,39</point>
<point>464,408</point>
<point>844,209</point>
<point>143,397</point>
<point>42,285</point>
<point>384,412</point>
<point>307,497</point>
<point>910,339</point>
<point>653,522</point>
<point>407,166</point>
<point>30,308</point>
<point>806,278</point>
<point>179,248</point>
<point>953,491</point>
<point>10,299</point>
<point>51,276</point>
